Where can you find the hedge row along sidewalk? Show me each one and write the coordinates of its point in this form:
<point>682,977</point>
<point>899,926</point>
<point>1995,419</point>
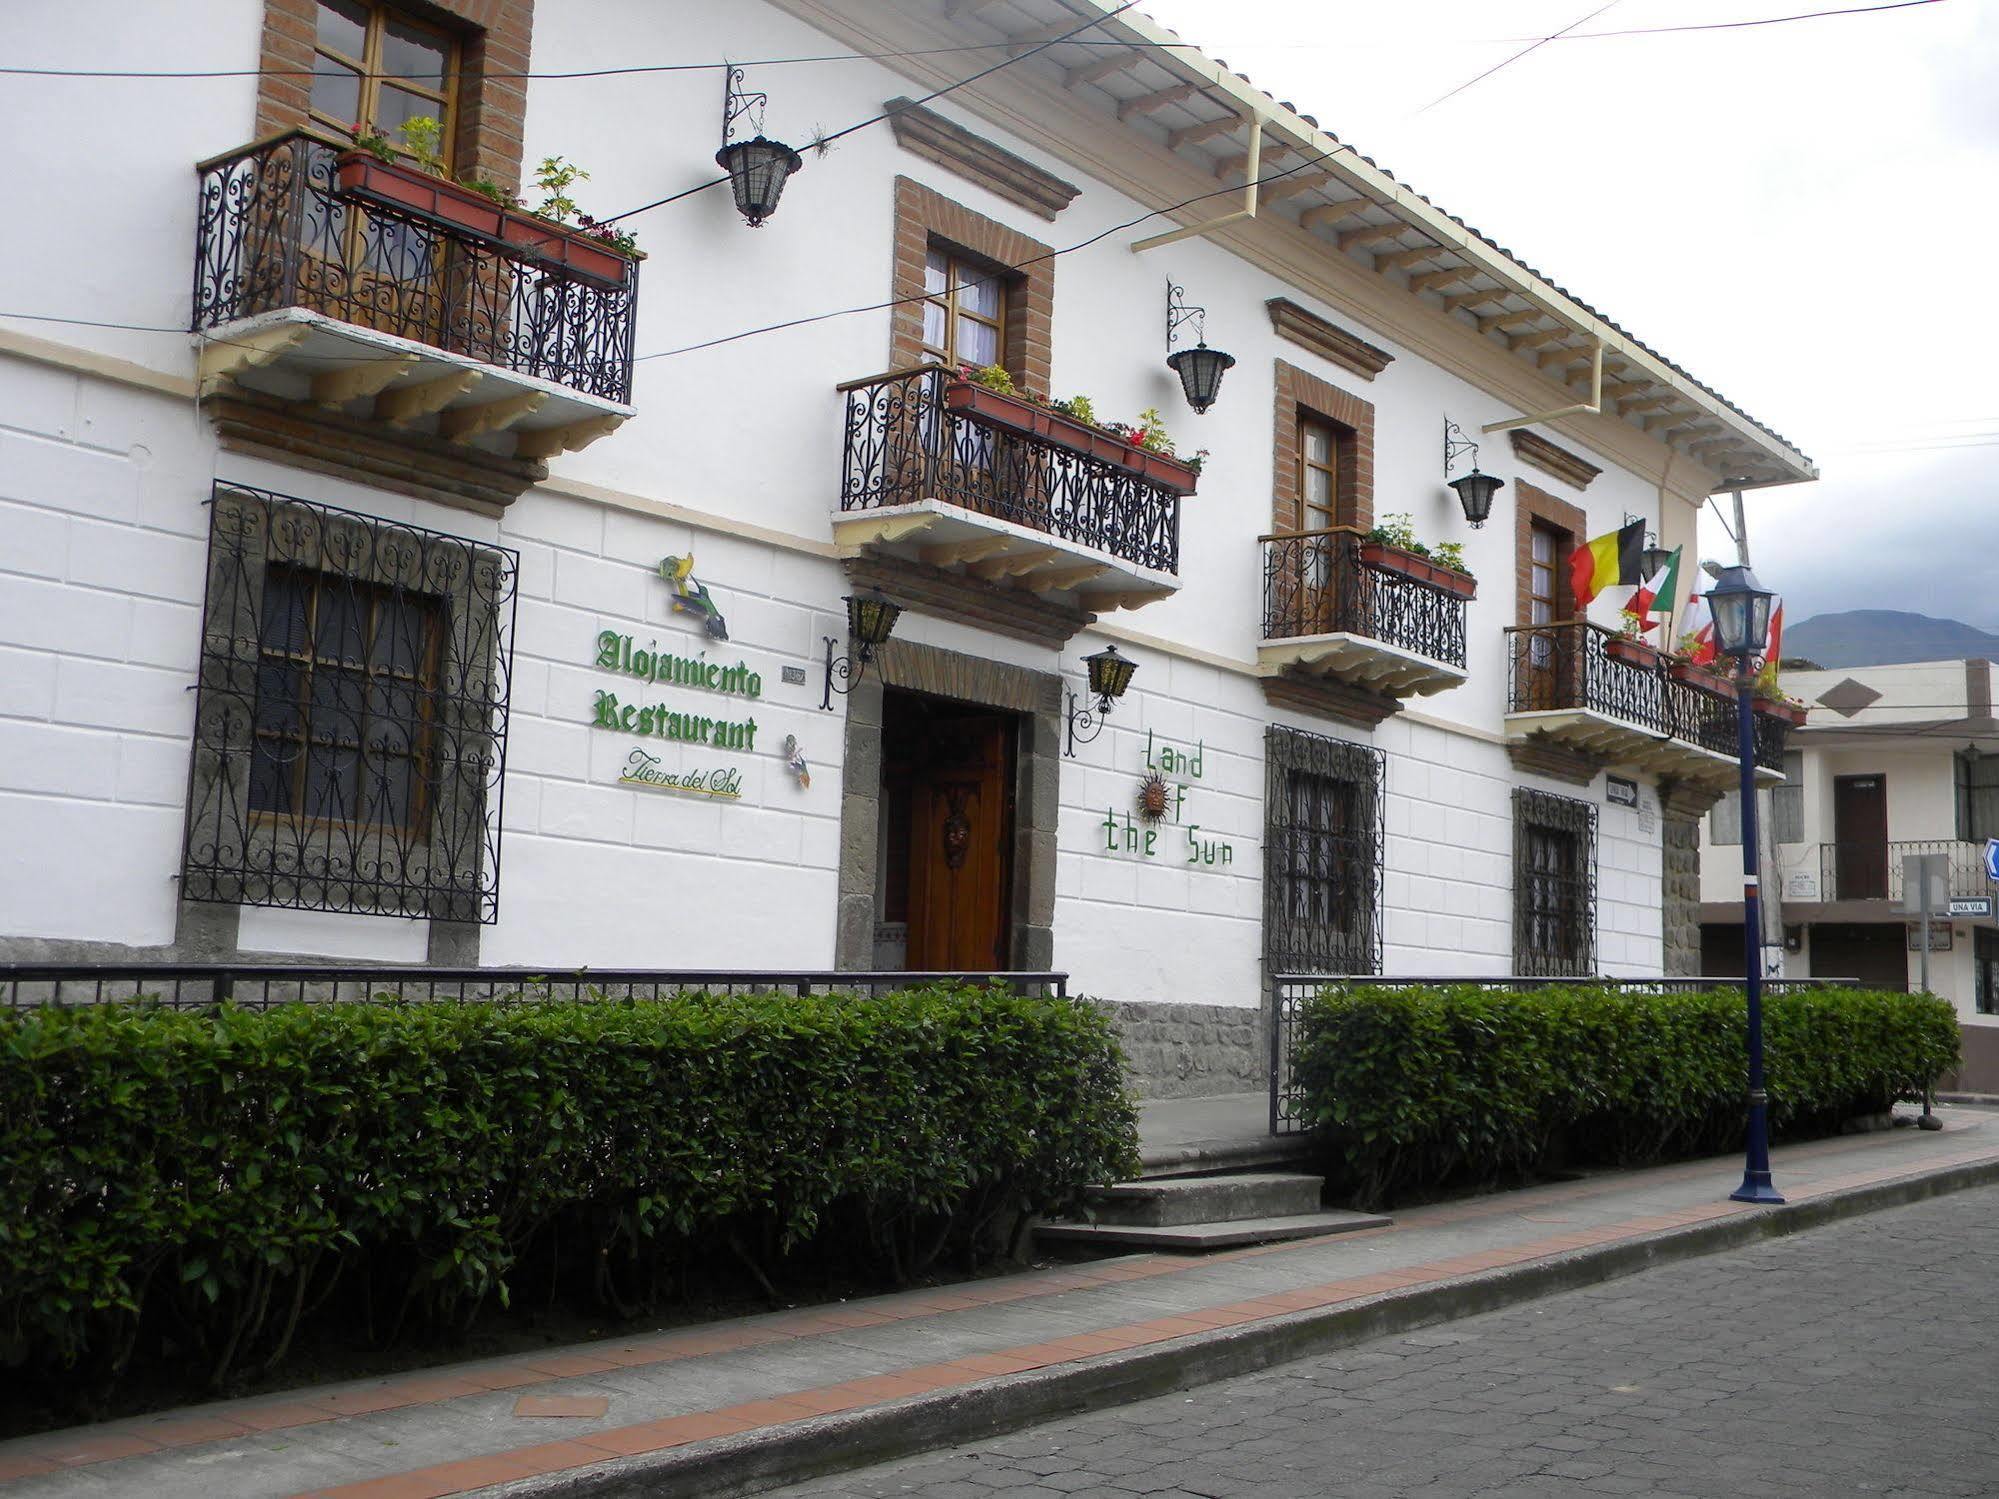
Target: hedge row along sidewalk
<point>1455,1084</point>
<point>743,1406</point>
<point>184,1188</point>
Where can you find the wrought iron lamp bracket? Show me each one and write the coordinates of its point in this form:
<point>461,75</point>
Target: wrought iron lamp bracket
<point>738,102</point>
<point>847,669</point>
<point>1456,445</point>
<point>1085,724</point>
<point>1179,313</point>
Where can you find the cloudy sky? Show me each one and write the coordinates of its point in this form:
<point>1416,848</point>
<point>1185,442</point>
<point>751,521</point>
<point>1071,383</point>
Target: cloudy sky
<point>1804,215</point>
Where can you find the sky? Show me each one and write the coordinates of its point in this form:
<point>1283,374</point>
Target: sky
<point>1804,216</point>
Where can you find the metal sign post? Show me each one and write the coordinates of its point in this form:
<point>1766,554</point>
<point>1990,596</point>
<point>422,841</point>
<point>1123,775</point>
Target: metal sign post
<point>1925,890</point>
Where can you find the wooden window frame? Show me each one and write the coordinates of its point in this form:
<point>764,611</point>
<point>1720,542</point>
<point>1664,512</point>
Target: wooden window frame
<point>923,217</point>
<point>1303,397</point>
<point>1531,506</point>
<point>956,259</point>
<point>372,76</point>
<point>1338,440</point>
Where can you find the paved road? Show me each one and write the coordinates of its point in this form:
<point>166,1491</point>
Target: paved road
<point>1857,1359</point>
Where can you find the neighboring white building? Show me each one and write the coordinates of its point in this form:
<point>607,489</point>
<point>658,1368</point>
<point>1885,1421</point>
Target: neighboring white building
<point>1895,761</point>
<point>309,618</point>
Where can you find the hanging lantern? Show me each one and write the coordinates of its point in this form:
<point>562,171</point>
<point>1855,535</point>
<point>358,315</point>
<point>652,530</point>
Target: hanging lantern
<point>1200,370</point>
<point>1110,674</point>
<point>758,167</point>
<point>1475,492</point>
<point>871,620</point>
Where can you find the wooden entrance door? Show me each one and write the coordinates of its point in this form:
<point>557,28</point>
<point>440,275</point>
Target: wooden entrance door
<point>1860,837</point>
<point>960,831</point>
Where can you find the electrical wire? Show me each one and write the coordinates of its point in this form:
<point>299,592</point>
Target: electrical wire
<point>1509,61</point>
<point>1082,244</point>
<point>825,141</point>
<point>1133,44</point>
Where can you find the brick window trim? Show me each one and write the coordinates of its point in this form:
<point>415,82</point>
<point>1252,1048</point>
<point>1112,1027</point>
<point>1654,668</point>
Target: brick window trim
<point>1531,505</point>
<point>924,215</point>
<point>493,37</point>
<point>1300,393</point>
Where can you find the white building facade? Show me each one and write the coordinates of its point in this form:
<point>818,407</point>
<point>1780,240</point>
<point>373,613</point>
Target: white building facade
<point>1896,762</point>
<point>439,600</point>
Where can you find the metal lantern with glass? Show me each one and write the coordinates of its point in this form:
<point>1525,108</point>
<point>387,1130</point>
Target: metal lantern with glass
<point>871,620</point>
<point>1110,674</point>
<point>758,167</point>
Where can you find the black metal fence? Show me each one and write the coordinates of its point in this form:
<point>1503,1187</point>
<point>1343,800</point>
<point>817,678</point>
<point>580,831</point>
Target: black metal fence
<point>198,986</point>
<point>1290,991</point>
<point>1318,583</point>
<point>1575,664</point>
<point>274,231</point>
<point>904,444</point>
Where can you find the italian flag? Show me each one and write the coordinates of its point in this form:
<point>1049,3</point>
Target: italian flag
<point>1662,585</point>
<point>1606,562</point>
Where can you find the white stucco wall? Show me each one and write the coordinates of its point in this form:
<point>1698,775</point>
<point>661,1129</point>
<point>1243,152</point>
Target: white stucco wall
<point>102,521</point>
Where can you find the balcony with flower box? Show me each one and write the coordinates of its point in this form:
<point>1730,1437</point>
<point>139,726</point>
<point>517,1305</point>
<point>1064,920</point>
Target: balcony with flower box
<point>968,487</point>
<point>1625,703</point>
<point>378,299</point>
<point>1340,605</point>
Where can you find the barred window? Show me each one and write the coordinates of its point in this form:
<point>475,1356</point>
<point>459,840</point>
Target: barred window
<point>1977,795</point>
<point>1787,802</point>
<point>1554,884</point>
<point>350,719</point>
<point>1322,854</point>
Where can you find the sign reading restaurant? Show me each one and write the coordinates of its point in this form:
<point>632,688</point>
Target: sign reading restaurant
<point>618,653</point>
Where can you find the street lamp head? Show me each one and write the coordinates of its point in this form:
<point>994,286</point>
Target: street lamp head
<point>1200,370</point>
<point>1741,608</point>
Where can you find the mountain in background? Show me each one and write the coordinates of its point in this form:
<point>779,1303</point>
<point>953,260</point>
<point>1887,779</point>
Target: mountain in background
<point>1883,637</point>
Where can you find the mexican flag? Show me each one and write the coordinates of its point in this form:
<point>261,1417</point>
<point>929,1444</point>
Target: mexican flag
<point>1657,591</point>
<point>1607,561</point>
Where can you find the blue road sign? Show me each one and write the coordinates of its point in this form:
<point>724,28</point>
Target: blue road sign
<point>1992,858</point>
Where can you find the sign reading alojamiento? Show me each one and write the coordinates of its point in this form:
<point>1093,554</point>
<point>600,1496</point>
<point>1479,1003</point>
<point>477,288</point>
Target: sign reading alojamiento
<point>621,654</point>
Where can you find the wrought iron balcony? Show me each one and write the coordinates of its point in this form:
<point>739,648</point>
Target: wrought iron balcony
<point>1328,609</point>
<point>397,314</point>
<point>1587,687</point>
<point>1860,869</point>
<point>1035,505</point>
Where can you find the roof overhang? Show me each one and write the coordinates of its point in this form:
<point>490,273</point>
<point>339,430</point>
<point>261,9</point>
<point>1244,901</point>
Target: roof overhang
<point>1167,97</point>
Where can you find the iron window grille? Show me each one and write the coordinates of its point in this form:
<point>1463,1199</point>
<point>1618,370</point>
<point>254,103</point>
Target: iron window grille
<point>1554,884</point>
<point>1323,809</point>
<point>350,713</point>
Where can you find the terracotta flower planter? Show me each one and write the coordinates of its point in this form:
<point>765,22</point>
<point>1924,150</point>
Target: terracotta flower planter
<point>1705,678</point>
<point>1017,414</point>
<point>1791,713</point>
<point>1631,652</point>
<point>1393,559</point>
<point>366,178</point>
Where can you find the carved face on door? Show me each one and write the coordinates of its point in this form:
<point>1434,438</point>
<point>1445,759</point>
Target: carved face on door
<point>957,825</point>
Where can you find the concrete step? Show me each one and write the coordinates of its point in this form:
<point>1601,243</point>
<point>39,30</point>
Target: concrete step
<point>1174,1201</point>
<point>1199,1238</point>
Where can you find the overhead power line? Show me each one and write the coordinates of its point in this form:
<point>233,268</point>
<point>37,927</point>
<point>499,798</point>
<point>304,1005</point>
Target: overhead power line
<point>1135,44</point>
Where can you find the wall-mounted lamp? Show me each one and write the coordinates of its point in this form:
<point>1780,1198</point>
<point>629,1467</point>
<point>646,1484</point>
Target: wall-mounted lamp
<point>1654,558</point>
<point>1475,490</point>
<point>1110,674</point>
<point>759,167</point>
<point>1200,368</point>
<point>870,621</point>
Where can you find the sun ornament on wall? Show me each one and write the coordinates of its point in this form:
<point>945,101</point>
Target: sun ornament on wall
<point>1154,795</point>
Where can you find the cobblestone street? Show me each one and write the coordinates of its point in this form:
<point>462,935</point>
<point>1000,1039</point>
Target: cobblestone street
<point>1861,1358</point>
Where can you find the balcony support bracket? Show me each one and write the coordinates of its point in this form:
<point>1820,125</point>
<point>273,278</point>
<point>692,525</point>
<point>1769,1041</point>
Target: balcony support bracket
<point>332,389</point>
<point>467,422</point>
<point>407,403</point>
<point>221,360</point>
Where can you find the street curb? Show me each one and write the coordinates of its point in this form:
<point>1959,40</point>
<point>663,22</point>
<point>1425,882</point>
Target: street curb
<point>756,1461</point>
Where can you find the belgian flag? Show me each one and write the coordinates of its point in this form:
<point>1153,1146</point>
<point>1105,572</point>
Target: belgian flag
<point>1612,558</point>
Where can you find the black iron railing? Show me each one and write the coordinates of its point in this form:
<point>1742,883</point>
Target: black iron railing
<point>1860,870</point>
<point>904,444</point>
<point>1291,992</point>
<point>1318,583</point>
<point>197,986</point>
<point>273,231</point>
<point>1575,664</point>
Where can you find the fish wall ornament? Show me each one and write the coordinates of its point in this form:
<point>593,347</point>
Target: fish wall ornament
<point>691,596</point>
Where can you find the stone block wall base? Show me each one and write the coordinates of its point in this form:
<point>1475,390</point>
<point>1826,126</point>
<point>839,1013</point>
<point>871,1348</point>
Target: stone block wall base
<point>1191,1051</point>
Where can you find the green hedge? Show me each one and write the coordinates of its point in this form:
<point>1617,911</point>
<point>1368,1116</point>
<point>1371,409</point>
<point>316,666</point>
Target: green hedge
<point>1415,1088</point>
<point>191,1185</point>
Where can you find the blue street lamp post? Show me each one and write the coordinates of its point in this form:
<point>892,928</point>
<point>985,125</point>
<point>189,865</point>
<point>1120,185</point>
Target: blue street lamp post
<point>1741,608</point>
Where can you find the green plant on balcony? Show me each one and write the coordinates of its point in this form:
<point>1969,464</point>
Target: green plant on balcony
<point>1391,544</point>
<point>1147,435</point>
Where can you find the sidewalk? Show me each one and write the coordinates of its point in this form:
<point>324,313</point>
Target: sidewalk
<point>741,1405</point>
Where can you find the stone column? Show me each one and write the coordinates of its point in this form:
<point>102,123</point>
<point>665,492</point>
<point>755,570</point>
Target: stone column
<point>1682,806</point>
